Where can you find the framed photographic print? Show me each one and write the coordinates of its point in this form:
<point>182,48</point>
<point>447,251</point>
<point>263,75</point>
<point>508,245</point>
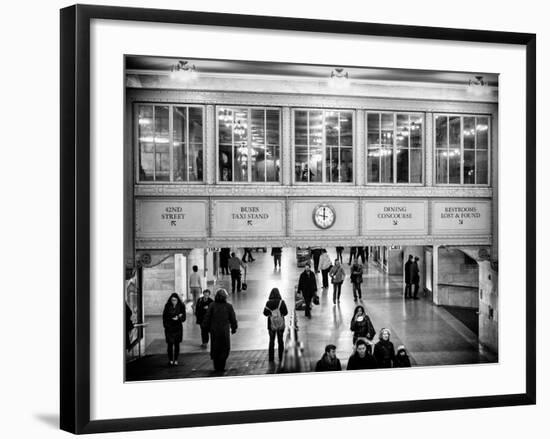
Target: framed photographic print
<point>257,209</point>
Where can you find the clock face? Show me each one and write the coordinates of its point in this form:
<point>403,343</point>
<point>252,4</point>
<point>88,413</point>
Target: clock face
<point>324,216</point>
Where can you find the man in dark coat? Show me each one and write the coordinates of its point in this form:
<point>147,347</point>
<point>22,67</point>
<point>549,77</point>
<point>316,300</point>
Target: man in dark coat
<point>352,253</point>
<point>328,362</point>
<point>200,311</point>
<point>219,320</point>
<point>361,254</point>
<point>307,285</point>
<point>225,254</point>
<point>415,277</point>
<point>361,359</point>
<point>408,277</point>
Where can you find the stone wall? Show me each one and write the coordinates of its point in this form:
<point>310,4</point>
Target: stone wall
<point>488,306</point>
<point>158,284</point>
<point>458,279</point>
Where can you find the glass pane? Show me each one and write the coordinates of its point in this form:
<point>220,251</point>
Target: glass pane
<point>415,165</point>
<point>195,162</point>
<point>402,172</point>
<point>300,128</point>
<point>454,132</point>
<point>195,125</point>
<point>146,146</point>
<point>180,131</point>
<point>272,163</point>
<point>332,165</point>
<point>482,132</point>
<point>315,128</point>
<point>316,164</point>
<point>257,129</point>
<point>482,168</point>
<point>402,134</point>
<point>225,162</point>
<point>387,130</point>
<point>258,133</point>
<point>162,144</point>
<point>454,166</point>
<point>332,128</point>
<point>441,132</point>
<point>346,128</point>
<point>373,139</point>
<point>273,130</point>
<point>373,123</point>
<point>225,122</point>
<point>241,162</point>
<point>469,167</point>
<point>469,132</point>
<point>346,165</point>
<point>240,127</point>
<point>301,165</point>
<point>441,166</point>
<point>373,166</point>
<point>415,133</point>
<point>386,165</point>
<point>258,162</point>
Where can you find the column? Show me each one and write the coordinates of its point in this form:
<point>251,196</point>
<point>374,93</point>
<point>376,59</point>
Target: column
<point>493,166</point>
<point>286,158</point>
<point>435,275</point>
<point>210,145</point>
<point>360,149</point>
<point>429,150</point>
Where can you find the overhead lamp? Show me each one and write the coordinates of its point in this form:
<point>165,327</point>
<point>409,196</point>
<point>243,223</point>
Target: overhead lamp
<point>183,71</point>
<point>339,78</point>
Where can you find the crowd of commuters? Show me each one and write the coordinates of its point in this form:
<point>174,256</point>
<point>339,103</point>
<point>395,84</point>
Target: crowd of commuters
<point>217,319</point>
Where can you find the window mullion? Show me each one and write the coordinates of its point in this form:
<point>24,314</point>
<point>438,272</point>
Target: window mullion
<point>461,149</point>
<point>249,146</point>
<point>265,145</point>
<point>187,142</point>
<point>154,144</point>
<point>448,150</point>
<point>308,158</point>
<point>394,155</point>
<point>232,145</point>
<point>324,148</point>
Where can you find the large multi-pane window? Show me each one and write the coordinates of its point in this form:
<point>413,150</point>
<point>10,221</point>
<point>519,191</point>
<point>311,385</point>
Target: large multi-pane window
<point>170,143</point>
<point>323,146</point>
<point>394,147</point>
<point>249,144</point>
<point>462,149</point>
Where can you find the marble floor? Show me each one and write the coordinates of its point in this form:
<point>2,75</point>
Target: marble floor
<point>431,334</point>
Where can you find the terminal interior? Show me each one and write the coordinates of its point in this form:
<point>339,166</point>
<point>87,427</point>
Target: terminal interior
<point>434,334</point>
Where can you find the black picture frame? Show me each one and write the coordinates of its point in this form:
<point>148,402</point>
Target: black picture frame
<point>75,217</point>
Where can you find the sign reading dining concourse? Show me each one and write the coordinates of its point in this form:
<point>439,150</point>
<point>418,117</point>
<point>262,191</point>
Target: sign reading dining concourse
<point>248,217</point>
<point>461,217</point>
<point>395,217</point>
<point>171,218</point>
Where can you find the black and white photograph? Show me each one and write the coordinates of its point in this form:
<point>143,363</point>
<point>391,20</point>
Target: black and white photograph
<point>285,218</point>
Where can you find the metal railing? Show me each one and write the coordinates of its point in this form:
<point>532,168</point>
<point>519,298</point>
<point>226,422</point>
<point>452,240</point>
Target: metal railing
<point>293,357</point>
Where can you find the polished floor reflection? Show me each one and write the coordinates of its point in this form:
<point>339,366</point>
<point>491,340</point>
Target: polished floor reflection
<point>431,334</point>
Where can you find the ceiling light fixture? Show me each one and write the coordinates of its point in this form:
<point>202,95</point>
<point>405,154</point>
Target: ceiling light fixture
<point>477,85</point>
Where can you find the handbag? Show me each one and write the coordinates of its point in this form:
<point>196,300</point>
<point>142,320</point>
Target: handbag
<point>315,299</point>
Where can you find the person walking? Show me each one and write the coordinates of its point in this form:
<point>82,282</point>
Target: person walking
<point>361,254</point>
<point>383,350</point>
<point>200,311</point>
<point>408,277</point>
<point>307,286</point>
<point>337,275</point>
<point>316,253</point>
<point>276,252</point>
<point>361,358</point>
<point>415,277</point>
<point>352,254</point>
<point>248,252</point>
<point>225,254</point>
<point>329,362</point>
<point>339,252</point>
<point>219,320</point>
<point>401,358</point>
<point>173,317</point>
<point>325,264</point>
<point>195,285</point>
<point>356,277</point>
<point>235,264</point>
<point>275,310</point>
<point>361,326</point>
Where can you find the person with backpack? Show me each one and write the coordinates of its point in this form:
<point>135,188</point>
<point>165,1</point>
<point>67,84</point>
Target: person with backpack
<point>275,310</point>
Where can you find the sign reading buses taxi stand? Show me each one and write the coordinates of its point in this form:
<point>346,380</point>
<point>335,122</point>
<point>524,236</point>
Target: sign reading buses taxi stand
<point>248,218</point>
<point>395,217</point>
<point>169,218</point>
<point>461,217</point>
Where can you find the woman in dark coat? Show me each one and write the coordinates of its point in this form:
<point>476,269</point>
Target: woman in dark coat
<point>219,320</point>
<point>361,325</point>
<point>383,350</point>
<point>401,358</point>
<point>274,303</point>
<point>173,317</point>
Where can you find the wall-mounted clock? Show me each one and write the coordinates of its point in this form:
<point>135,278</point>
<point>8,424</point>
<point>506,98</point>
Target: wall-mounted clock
<point>324,216</point>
